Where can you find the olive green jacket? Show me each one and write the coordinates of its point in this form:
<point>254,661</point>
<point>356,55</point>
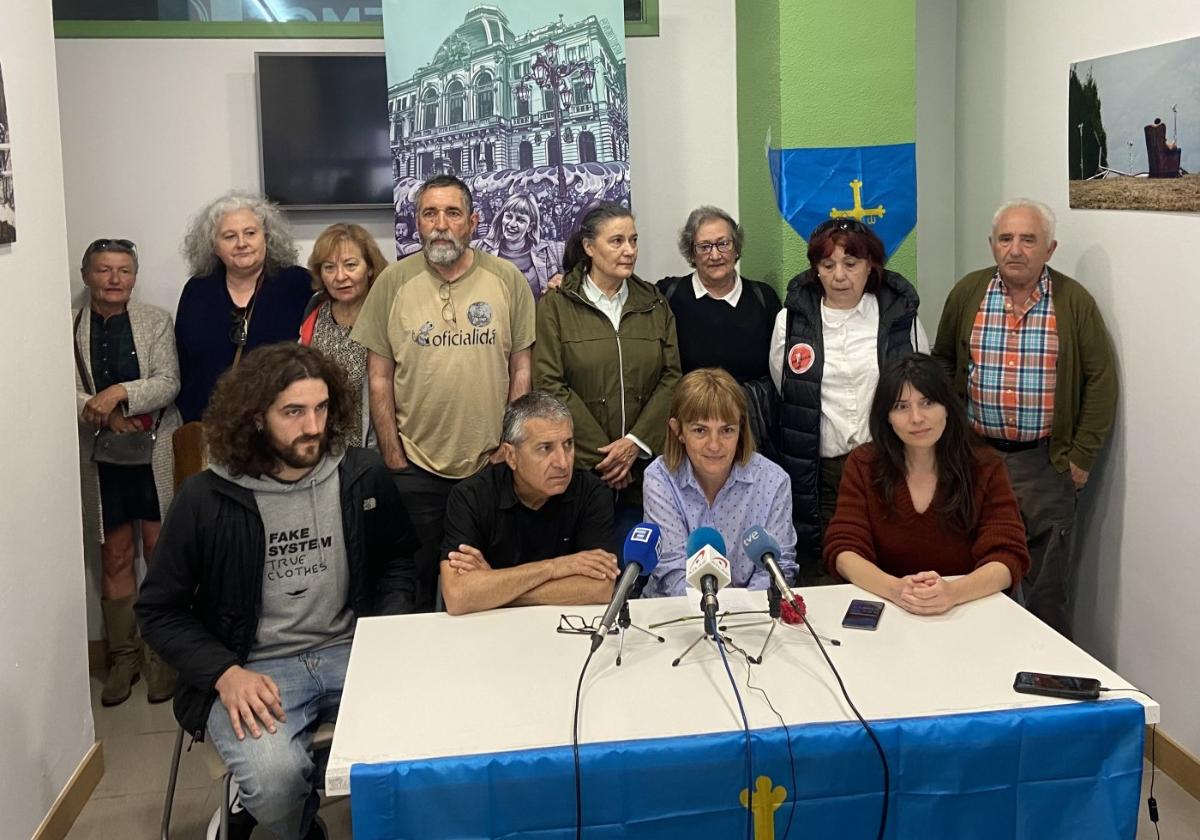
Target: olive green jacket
<point>1085,391</point>
<point>615,382</point>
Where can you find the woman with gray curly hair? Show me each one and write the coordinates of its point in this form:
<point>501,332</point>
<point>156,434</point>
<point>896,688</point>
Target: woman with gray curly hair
<point>245,291</point>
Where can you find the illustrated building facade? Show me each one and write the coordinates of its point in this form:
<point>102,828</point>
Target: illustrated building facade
<point>465,112</point>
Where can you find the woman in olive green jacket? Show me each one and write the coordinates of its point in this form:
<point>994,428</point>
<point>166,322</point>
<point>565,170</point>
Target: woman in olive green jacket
<point>606,347</point>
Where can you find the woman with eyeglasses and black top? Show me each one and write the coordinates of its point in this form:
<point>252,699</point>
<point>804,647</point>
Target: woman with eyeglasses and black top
<point>126,377</point>
<point>842,319</point>
<point>722,319</point>
<point>245,291</point>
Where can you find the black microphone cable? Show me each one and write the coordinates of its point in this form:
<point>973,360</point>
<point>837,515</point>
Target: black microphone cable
<point>871,732</point>
<point>575,749</point>
<point>788,736</point>
<point>1151,802</point>
<point>720,642</point>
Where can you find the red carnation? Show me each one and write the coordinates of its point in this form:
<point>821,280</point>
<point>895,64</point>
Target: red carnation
<point>794,615</point>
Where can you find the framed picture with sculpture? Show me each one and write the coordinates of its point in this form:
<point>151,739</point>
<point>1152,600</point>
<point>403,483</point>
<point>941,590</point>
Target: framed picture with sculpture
<point>1133,129</point>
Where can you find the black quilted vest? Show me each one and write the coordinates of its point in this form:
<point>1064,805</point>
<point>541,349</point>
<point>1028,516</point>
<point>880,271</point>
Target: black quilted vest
<point>800,414</point>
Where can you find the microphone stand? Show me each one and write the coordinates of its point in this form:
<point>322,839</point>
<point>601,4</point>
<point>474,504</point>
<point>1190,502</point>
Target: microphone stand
<point>624,623</point>
<point>775,613</point>
<point>711,639</point>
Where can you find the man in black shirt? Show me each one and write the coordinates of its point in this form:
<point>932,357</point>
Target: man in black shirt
<point>531,529</point>
<point>721,319</point>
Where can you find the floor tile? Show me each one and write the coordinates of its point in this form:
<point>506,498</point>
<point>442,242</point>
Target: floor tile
<point>135,716</point>
<point>138,817</point>
<point>141,764</point>
<point>1178,812</point>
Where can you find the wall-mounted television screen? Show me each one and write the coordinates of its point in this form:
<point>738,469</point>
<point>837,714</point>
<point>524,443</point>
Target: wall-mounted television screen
<point>323,129</point>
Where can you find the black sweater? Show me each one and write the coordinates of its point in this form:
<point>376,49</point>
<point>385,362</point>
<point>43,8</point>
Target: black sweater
<point>714,334</point>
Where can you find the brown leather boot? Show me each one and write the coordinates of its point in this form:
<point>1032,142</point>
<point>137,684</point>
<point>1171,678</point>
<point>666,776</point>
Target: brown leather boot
<point>124,650</point>
<point>160,678</point>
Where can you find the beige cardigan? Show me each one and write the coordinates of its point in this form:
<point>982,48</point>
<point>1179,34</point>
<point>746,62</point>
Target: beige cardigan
<point>154,340</point>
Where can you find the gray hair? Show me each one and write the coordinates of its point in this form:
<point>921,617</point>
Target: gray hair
<point>1043,211</point>
<point>440,181</point>
<point>536,405</point>
<point>199,243</point>
<point>702,214</point>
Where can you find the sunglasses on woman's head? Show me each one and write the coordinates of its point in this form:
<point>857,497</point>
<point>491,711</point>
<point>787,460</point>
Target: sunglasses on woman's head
<point>850,225</point>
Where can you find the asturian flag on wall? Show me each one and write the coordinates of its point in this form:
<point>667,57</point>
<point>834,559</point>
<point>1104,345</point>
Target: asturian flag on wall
<point>876,185</point>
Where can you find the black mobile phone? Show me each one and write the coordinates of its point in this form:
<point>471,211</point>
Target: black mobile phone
<point>1057,685</point>
<point>862,615</point>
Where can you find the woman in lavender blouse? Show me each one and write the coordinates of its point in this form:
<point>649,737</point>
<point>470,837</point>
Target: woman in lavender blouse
<point>710,475</point>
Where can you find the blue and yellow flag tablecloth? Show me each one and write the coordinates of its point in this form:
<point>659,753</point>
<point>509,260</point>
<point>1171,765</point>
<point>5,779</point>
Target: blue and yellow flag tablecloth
<point>1070,771</point>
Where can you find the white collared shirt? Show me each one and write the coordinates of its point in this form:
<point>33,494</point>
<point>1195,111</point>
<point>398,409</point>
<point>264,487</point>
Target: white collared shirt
<point>735,294</point>
<point>610,306</point>
<point>850,372</point>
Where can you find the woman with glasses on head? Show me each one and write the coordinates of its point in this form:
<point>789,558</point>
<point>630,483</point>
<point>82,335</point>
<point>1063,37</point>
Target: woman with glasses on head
<point>843,318</point>
<point>723,319</point>
<point>606,348</point>
<point>245,291</point>
<point>924,500</point>
<point>515,235</point>
<point>126,377</point>
<point>344,263</point>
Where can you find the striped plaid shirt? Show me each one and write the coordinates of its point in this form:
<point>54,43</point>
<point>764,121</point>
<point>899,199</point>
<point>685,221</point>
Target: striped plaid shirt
<point>1014,351</point>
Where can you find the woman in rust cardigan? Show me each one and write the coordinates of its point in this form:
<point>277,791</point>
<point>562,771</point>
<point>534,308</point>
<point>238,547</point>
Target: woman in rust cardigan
<point>925,501</point>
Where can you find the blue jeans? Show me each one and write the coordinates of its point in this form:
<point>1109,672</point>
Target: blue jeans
<point>276,774</point>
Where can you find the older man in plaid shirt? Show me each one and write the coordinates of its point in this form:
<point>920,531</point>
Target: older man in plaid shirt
<point>1028,350</point>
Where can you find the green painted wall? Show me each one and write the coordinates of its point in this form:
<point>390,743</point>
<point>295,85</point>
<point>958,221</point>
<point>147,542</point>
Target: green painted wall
<point>817,73</point>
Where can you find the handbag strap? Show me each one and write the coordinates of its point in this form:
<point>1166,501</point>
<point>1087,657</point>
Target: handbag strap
<point>83,374</point>
<point>237,354</point>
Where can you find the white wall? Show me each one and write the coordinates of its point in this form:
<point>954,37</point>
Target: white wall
<point>45,713</point>
<point>936,47</point>
<point>682,125</point>
<point>152,129</point>
<point>1139,575</point>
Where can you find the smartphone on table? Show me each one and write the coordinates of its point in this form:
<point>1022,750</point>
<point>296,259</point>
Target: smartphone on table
<point>1057,685</point>
<point>863,615</point>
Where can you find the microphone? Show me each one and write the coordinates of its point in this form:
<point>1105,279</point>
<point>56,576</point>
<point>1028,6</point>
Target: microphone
<point>708,571</point>
<point>763,551</point>
<point>639,557</point>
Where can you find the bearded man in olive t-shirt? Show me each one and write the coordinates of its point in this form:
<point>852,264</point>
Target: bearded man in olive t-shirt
<point>449,330</point>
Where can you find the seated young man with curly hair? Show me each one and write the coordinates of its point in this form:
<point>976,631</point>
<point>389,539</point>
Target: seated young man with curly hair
<point>265,562</point>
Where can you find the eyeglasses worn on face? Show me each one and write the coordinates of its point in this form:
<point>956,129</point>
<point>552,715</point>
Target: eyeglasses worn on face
<point>447,304</point>
<point>721,246</point>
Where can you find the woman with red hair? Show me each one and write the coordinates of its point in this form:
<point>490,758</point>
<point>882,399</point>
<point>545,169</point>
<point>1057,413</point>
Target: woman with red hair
<point>842,319</point>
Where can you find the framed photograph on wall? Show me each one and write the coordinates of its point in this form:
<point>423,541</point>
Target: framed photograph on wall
<point>8,204</point>
<point>1133,129</point>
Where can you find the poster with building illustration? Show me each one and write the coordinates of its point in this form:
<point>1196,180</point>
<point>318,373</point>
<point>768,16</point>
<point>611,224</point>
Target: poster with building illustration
<point>525,100</point>
<point>8,204</point>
